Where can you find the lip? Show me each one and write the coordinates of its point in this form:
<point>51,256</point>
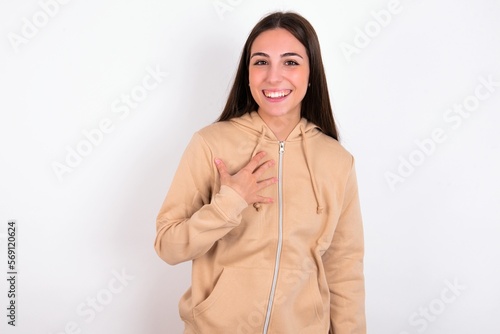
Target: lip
<point>276,95</point>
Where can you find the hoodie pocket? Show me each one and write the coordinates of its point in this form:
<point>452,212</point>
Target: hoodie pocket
<point>316,297</point>
<point>237,303</point>
<point>299,305</point>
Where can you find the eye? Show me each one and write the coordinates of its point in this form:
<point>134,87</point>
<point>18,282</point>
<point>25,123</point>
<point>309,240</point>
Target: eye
<point>291,63</point>
<point>260,62</point>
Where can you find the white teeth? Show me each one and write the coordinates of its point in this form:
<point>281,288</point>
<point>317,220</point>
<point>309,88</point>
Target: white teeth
<point>275,95</point>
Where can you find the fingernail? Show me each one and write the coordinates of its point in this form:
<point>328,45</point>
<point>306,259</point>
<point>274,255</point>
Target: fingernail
<point>217,161</point>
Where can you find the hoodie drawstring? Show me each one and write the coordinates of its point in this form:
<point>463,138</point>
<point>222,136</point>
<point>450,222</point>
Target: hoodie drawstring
<point>319,208</point>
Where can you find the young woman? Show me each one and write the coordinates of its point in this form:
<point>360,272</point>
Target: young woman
<point>265,201</point>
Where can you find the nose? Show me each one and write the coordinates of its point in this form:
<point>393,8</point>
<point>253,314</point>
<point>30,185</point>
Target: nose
<point>274,74</point>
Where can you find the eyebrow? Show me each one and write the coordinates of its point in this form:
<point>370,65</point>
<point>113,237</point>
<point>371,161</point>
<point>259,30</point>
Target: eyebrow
<point>286,54</point>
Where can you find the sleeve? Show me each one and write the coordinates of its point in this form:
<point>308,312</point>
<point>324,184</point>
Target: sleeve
<point>343,263</point>
<point>191,220</point>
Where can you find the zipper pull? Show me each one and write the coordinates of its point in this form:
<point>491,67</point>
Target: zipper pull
<point>282,146</point>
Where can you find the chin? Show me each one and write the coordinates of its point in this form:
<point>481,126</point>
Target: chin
<point>276,112</point>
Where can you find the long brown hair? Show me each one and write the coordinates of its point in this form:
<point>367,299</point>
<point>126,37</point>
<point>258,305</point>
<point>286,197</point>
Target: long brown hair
<point>315,106</point>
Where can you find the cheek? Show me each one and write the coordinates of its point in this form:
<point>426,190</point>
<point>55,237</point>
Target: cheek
<point>301,80</point>
<point>255,79</point>
<point>255,76</point>
<point>255,94</point>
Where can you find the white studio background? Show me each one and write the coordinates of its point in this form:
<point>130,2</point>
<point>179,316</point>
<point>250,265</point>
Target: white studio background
<point>416,91</point>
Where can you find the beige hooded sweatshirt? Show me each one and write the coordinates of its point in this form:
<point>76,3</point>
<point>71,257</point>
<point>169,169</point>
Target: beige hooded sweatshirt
<point>293,266</point>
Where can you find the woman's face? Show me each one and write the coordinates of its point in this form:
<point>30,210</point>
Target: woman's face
<point>278,73</point>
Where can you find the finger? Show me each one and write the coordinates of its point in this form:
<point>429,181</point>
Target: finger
<point>221,168</point>
<point>262,168</point>
<point>254,162</point>
<point>266,183</point>
<point>264,200</point>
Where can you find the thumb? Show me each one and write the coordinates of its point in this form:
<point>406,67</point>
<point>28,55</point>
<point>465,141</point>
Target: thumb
<point>221,167</point>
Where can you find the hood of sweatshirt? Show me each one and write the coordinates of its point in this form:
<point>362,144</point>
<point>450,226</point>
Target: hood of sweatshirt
<point>253,124</point>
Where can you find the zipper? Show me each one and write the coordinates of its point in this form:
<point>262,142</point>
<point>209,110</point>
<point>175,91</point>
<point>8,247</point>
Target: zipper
<point>280,237</point>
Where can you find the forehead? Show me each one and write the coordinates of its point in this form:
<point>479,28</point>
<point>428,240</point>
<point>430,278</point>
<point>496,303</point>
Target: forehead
<point>278,40</point>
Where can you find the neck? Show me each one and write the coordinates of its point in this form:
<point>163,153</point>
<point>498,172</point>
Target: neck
<point>281,126</point>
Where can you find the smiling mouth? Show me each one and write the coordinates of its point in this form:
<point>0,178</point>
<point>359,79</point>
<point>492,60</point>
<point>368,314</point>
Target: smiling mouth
<point>276,94</point>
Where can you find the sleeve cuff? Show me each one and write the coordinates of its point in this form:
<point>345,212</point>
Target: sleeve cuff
<point>230,204</point>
